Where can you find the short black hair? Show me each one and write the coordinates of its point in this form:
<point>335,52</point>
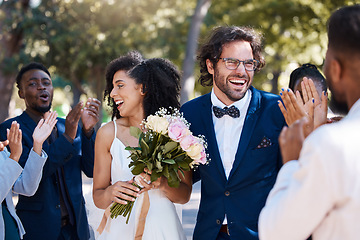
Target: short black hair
<point>160,81</point>
<point>344,30</point>
<point>125,63</point>
<point>28,67</point>
<point>307,70</point>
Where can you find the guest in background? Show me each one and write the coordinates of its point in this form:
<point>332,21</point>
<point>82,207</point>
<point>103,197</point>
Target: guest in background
<point>57,209</point>
<point>14,178</point>
<point>317,190</point>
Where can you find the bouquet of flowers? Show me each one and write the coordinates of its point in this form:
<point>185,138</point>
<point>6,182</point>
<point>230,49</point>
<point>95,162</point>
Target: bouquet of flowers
<point>166,148</point>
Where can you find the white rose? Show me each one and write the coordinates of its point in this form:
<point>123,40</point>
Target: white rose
<point>194,151</point>
<point>157,124</point>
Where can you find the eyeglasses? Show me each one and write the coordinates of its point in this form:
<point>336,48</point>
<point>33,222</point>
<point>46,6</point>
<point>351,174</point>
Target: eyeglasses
<point>233,63</point>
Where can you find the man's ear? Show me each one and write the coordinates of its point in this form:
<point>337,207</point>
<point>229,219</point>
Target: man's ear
<point>336,70</point>
<point>21,94</point>
<point>210,66</point>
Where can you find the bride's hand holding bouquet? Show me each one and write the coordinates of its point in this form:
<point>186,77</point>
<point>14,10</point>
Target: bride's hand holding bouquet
<point>166,150</point>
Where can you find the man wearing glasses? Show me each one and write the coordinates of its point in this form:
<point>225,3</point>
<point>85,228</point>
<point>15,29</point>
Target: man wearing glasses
<point>241,125</point>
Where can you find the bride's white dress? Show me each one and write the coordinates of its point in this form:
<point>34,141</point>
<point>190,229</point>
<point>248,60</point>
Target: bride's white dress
<point>162,221</point>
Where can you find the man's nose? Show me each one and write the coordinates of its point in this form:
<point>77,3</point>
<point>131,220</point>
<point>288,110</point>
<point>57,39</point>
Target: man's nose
<point>41,86</point>
<point>241,68</point>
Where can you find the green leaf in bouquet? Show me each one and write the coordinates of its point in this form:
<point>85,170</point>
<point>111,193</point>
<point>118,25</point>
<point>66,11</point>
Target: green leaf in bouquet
<point>159,156</point>
<point>137,169</point>
<point>182,173</point>
<point>149,166</point>
<point>173,180</point>
<point>166,171</point>
<point>132,148</point>
<point>135,132</point>
<point>169,146</point>
<point>182,164</point>
<point>155,175</point>
<point>158,166</point>
<point>144,147</point>
<point>173,175</point>
<point>169,161</point>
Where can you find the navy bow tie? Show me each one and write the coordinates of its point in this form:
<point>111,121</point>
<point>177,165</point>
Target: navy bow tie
<point>231,111</point>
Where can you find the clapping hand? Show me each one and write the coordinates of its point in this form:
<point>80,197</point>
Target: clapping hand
<point>43,130</point>
<point>319,108</point>
<point>296,107</point>
<point>90,115</point>
<point>292,106</point>
<point>72,120</point>
<point>14,136</point>
<point>291,140</point>
<point>3,145</point>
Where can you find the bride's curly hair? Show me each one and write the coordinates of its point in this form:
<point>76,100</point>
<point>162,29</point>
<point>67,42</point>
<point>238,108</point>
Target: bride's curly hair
<point>160,81</point>
<point>124,63</point>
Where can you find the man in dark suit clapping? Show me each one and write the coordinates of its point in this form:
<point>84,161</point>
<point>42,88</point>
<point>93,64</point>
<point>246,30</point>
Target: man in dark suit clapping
<point>57,209</point>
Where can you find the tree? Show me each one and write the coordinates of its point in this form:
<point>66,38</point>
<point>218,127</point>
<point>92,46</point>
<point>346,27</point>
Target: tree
<point>11,16</point>
<point>294,31</point>
<point>188,80</point>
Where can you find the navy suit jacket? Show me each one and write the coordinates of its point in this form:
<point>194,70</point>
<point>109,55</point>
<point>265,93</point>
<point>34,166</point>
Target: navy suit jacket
<point>242,196</point>
<point>40,214</point>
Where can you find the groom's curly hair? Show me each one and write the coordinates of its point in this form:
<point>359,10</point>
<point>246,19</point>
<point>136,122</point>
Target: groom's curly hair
<point>124,63</point>
<point>160,81</point>
<point>219,37</point>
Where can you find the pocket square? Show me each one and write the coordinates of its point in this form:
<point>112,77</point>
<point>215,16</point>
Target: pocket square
<point>265,142</point>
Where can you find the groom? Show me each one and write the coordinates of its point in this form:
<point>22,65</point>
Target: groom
<point>241,125</point>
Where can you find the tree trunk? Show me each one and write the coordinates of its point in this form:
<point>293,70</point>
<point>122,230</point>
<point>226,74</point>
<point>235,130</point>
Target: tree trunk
<point>188,80</point>
<point>275,82</point>
<point>99,78</point>
<point>10,44</point>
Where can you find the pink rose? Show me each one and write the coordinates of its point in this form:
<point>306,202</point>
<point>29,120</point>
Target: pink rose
<point>187,142</point>
<point>202,159</point>
<point>178,130</point>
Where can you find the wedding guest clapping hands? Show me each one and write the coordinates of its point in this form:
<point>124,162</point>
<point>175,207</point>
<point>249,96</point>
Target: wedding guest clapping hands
<point>308,103</point>
<point>60,206</point>
<point>317,189</point>
<point>16,179</point>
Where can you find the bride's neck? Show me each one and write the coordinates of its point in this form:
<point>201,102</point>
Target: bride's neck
<point>134,121</point>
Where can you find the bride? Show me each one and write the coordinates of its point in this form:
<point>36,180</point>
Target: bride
<point>135,89</point>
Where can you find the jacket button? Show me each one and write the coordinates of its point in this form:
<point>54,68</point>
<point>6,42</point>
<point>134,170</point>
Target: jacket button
<point>58,206</point>
<point>227,193</point>
<point>218,221</point>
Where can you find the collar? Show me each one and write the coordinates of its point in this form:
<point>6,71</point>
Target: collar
<point>34,117</point>
<point>355,108</point>
<point>240,104</point>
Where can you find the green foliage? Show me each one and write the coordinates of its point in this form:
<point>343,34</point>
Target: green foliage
<point>78,38</point>
<point>294,31</point>
<point>161,155</point>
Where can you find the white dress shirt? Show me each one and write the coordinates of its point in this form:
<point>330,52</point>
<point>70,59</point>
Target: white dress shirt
<point>319,194</point>
<point>228,131</point>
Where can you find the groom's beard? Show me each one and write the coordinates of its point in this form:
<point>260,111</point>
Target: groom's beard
<point>338,107</point>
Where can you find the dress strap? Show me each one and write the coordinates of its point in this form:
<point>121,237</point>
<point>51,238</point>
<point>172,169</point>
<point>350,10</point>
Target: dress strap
<point>115,128</point>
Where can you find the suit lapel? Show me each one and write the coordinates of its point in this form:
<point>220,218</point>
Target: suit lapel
<point>248,129</point>
<point>213,149</point>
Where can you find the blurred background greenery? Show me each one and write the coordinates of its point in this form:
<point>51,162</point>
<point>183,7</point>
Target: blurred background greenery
<point>76,39</point>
